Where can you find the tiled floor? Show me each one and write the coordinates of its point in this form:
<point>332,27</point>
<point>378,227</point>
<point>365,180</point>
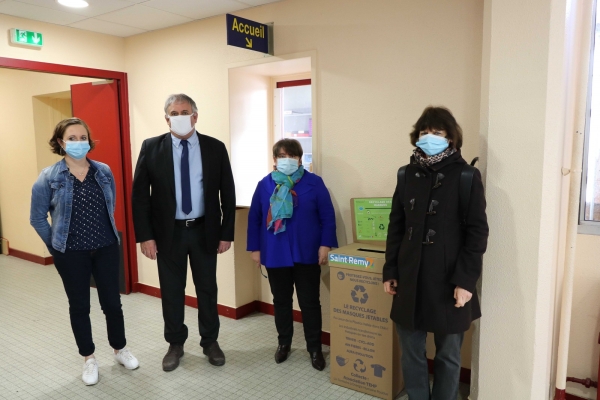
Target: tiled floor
<point>39,359</point>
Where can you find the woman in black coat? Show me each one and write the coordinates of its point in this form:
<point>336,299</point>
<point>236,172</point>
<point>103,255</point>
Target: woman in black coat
<point>434,253</point>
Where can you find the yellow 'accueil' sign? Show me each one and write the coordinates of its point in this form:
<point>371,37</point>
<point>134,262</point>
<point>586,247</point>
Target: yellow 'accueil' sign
<point>248,34</point>
<point>258,31</point>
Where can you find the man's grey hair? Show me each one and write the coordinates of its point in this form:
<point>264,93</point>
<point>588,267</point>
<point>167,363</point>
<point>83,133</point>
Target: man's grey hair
<point>180,97</point>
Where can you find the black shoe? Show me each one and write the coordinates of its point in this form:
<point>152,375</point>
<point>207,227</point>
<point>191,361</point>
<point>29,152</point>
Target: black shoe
<point>282,353</point>
<point>317,360</point>
<point>215,354</point>
<point>171,359</point>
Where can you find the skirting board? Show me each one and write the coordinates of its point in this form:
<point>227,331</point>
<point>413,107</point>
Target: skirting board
<point>30,257</point>
<point>229,312</point>
<point>573,397</point>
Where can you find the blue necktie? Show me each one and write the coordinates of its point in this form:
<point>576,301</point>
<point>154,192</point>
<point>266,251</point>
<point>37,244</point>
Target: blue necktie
<point>186,192</point>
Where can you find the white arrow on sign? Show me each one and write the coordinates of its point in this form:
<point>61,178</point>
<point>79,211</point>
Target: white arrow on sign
<point>36,39</point>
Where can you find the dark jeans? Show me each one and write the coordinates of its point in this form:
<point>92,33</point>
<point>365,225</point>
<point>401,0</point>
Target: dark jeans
<point>307,279</point>
<point>172,273</point>
<point>75,269</point>
<point>446,370</point>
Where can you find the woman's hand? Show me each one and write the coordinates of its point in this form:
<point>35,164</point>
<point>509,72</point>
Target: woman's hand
<point>323,254</point>
<point>255,255</point>
<point>462,297</point>
<point>390,286</point>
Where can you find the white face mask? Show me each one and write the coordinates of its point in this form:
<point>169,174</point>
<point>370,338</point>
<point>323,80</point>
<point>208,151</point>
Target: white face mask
<point>181,124</point>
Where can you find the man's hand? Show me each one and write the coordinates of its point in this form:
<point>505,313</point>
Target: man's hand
<point>149,249</point>
<point>462,297</point>
<point>390,286</point>
<point>223,247</point>
<point>255,255</point>
<point>323,250</point>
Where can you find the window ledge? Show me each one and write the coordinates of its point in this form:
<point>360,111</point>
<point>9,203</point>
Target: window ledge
<point>589,229</point>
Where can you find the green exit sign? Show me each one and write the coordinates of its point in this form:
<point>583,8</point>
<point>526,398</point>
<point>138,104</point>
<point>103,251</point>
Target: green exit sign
<point>28,38</point>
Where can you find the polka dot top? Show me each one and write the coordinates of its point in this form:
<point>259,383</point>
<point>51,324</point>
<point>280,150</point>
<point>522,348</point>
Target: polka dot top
<point>90,226</point>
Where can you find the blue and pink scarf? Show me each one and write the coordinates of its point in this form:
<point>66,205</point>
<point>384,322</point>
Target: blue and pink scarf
<point>283,200</point>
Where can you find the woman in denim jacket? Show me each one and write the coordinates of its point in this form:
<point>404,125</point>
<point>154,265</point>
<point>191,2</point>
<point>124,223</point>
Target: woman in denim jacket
<point>80,195</point>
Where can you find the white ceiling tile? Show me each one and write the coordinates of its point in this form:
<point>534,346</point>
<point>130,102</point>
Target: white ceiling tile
<point>124,17</point>
<point>37,13</point>
<point>197,9</point>
<point>257,2</point>
<point>110,28</point>
<point>96,7</point>
<point>143,17</point>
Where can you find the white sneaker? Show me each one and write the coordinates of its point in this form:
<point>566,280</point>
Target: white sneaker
<point>90,372</point>
<point>125,358</point>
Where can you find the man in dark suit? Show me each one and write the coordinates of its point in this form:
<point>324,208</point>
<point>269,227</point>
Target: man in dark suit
<point>184,206</point>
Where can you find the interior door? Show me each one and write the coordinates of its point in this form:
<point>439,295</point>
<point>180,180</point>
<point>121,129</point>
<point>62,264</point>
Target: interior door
<point>97,104</point>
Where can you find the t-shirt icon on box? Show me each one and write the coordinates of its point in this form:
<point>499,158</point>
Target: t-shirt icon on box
<point>378,370</point>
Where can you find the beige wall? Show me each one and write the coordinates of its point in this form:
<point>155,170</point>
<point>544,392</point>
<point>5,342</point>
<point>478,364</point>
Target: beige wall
<point>19,150</point>
<point>584,349</point>
<point>64,45</point>
<point>529,69</point>
<point>249,111</point>
<point>377,68</point>
<point>47,112</point>
<point>514,330</point>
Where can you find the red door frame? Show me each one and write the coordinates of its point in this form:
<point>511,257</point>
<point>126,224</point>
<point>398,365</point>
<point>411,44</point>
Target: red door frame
<point>121,78</point>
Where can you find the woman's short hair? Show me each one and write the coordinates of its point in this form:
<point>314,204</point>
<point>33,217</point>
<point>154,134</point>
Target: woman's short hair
<point>292,148</point>
<point>439,118</point>
<point>59,133</point>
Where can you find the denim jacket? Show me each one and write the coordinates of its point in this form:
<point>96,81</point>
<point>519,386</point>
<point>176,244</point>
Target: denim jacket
<point>53,192</point>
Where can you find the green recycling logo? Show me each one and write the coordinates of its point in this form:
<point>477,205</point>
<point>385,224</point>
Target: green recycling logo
<point>359,294</point>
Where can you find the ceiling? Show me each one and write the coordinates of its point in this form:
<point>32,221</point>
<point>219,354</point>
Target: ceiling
<point>124,17</point>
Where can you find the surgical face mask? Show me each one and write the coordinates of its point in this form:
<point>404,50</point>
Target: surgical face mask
<point>77,150</point>
<point>181,124</point>
<point>432,144</point>
<point>287,165</point>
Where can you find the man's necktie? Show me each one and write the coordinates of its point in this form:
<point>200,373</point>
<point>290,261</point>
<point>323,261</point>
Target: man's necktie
<point>186,193</point>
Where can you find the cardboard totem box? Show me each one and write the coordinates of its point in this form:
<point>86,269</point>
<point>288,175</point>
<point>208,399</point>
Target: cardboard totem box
<point>365,353</point>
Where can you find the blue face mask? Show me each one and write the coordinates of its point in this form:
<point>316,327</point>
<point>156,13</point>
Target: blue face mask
<point>77,150</point>
<point>432,144</point>
<point>287,165</point>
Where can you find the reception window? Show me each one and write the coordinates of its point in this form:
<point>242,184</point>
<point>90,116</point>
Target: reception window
<point>292,115</point>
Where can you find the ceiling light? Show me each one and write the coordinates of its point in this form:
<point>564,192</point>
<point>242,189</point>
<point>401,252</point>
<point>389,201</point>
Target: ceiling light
<point>73,3</point>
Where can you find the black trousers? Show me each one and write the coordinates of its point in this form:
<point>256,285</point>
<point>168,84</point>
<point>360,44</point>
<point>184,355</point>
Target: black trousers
<point>172,273</point>
<point>75,269</point>
<point>307,279</point>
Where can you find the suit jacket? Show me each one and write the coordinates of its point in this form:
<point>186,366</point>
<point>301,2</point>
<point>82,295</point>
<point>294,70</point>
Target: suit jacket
<point>153,197</point>
<point>312,224</point>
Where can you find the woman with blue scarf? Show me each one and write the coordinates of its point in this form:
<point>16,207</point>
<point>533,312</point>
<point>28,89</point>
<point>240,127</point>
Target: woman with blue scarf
<point>291,228</point>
